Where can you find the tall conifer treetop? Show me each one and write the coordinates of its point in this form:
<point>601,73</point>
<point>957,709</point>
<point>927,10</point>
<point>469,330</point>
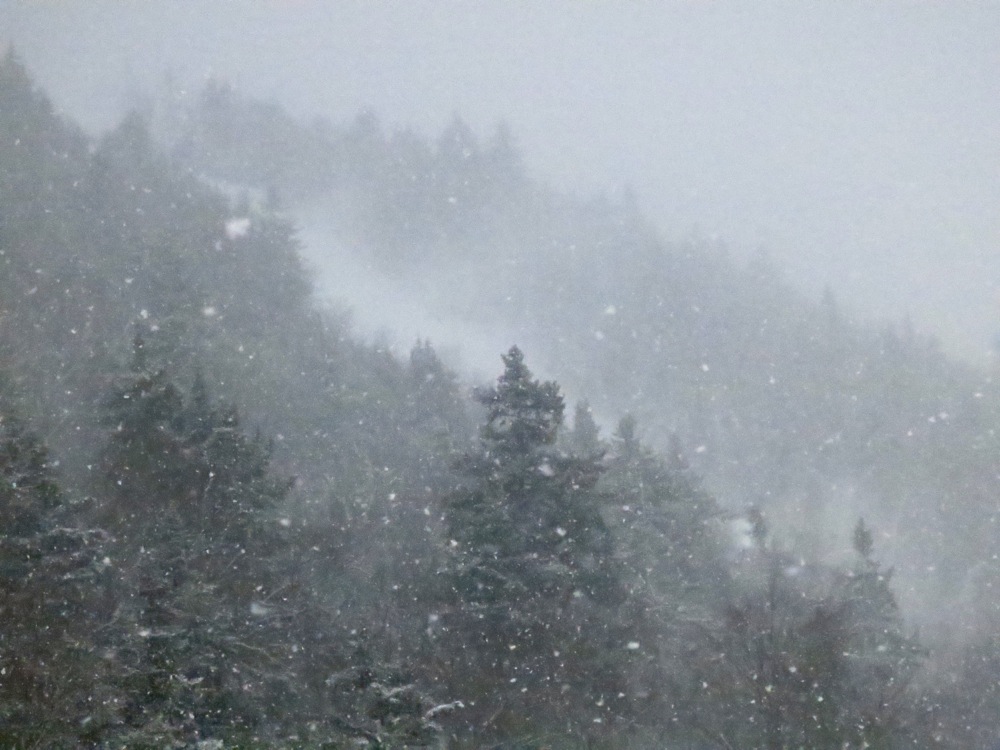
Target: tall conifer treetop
<point>523,413</point>
<point>530,564</point>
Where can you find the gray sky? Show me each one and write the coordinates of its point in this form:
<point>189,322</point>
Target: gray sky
<point>858,142</point>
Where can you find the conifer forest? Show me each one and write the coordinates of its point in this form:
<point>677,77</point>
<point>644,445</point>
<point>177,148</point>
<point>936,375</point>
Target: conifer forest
<point>686,504</point>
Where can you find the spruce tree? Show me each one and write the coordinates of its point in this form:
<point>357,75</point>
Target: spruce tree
<point>194,511</point>
<point>883,657</point>
<point>50,580</point>
<point>815,656</point>
<point>530,564</point>
<point>669,548</point>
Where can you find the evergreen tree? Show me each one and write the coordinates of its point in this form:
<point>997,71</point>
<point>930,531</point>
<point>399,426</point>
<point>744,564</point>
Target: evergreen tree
<point>816,657</point>
<point>50,673</point>
<point>882,657</point>
<point>529,567</point>
<point>669,548</point>
<point>584,439</point>
<point>201,590</point>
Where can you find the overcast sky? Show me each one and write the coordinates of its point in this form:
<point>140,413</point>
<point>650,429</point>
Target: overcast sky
<point>859,143</point>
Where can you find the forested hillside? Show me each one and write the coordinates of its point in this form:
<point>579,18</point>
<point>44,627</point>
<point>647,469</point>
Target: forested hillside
<point>782,403</point>
<point>228,522</point>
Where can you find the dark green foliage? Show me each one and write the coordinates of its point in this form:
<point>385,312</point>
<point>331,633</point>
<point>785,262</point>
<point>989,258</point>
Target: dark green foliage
<point>526,500</point>
<point>584,439</point>
<point>201,592</point>
<point>382,709</point>
<point>50,671</point>
<point>204,572</point>
<point>670,550</point>
<point>530,568</point>
<point>176,455</point>
<point>815,657</point>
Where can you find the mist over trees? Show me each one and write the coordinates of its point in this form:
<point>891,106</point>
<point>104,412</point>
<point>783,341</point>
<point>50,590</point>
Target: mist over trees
<point>231,522</point>
<point>782,402</point>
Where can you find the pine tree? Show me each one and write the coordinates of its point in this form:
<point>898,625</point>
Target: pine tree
<point>50,575</point>
<point>530,562</point>
<point>883,658</point>
<point>193,508</point>
<point>585,437</point>
<point>816,657</point>
<point>667,535</point>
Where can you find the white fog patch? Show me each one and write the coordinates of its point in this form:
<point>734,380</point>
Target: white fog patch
<point>398,312</point>
<point>740,534</point>
<point>237,227</point>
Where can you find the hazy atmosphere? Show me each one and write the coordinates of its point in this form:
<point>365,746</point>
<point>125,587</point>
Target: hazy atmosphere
<point>854,142</point>
<point>508,375</point>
